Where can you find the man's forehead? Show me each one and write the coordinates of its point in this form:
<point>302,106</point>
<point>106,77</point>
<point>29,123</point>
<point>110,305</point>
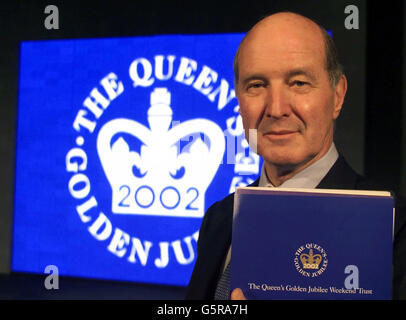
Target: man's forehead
<point>307,72</point>
<point>280,59</point>
<point>284,29</point>
<point>282,42</point>
<point>283,37</point>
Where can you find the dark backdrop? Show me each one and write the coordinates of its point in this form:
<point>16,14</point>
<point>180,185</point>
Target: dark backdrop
<point>369,131</point>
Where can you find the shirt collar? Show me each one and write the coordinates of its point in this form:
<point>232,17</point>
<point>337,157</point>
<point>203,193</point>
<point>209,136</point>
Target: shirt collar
<point>309,177</point>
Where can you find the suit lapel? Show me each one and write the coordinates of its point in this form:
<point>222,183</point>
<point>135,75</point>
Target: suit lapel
<point>340,176</point>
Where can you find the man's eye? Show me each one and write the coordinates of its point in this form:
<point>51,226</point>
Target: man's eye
<point>255,85</point>
<point>299,83</point>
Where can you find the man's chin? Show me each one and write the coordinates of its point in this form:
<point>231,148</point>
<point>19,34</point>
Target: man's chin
<point>285,160</point>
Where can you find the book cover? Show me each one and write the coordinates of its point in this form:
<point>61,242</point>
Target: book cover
<point>312,244</point>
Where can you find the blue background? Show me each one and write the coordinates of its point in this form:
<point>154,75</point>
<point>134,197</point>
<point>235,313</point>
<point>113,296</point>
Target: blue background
<point>55,79</point>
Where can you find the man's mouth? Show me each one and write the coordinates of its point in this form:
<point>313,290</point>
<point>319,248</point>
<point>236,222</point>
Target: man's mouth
<point>279,134</point>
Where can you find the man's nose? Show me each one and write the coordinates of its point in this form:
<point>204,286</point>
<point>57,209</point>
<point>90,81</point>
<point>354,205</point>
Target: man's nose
<point>276,103</point>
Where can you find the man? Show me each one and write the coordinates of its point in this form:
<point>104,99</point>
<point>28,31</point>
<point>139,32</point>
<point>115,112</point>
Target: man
<point>290,89</point>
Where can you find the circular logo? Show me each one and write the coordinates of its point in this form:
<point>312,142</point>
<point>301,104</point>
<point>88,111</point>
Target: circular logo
<point>310,260</point>
<point>147,162</point>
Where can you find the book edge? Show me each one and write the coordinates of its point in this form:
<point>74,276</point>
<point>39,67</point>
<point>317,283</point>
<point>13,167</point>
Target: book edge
<point>376,193</point>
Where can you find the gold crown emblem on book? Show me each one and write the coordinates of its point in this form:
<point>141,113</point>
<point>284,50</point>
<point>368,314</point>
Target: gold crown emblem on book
<point>310,261</point>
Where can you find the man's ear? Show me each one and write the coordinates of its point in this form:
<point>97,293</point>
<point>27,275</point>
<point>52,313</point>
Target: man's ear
<point>339,95</point>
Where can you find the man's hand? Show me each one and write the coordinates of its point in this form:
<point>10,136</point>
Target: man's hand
<point>237,294</point>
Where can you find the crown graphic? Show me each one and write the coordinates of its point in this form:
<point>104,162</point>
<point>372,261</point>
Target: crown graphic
<point>310,261</point>
<point>162,179</point>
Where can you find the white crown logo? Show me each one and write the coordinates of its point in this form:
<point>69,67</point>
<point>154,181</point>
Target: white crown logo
<point>161,180</point>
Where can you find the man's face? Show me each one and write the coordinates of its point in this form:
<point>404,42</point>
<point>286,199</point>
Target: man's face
<point>284,92</point>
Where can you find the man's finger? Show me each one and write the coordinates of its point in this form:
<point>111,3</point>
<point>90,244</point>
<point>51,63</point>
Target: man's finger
<point>237,294</point>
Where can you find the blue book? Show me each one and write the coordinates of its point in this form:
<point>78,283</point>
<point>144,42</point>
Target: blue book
<point>312,243</point>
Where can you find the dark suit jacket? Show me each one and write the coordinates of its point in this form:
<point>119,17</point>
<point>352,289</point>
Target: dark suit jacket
<point>215,235</point>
